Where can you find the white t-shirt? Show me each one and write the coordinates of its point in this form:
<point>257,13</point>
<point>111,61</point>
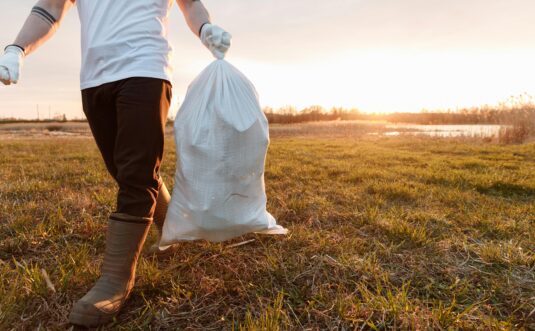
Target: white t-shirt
<point>123,39</point>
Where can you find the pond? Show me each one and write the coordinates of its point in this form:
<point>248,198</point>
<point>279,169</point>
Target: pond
<point>461,130</point>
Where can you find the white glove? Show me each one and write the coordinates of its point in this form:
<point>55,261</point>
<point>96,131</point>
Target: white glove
<point>11,65</point>
<point>216,40</point>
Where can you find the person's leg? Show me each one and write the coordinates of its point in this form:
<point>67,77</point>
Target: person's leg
<point>139,150</point>
<point>141,106</point>
<point>100,108</point>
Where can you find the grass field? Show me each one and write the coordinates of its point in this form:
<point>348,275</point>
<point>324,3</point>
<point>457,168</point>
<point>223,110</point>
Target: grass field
<point>386,233</point>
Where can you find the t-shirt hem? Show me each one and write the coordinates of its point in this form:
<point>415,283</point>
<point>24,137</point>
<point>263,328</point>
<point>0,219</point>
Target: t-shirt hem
<point>114,78</point>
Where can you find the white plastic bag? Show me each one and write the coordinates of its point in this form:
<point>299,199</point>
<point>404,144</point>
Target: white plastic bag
<point>221,139</point>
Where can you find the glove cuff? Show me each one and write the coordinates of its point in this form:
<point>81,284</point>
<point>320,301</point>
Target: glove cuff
<point>15,49</point>
<point>203,26</point>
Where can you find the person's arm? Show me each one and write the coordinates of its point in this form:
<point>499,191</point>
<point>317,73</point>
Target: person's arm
<point>195,14</point>
<point>213,37</point>
<point>43,21</point>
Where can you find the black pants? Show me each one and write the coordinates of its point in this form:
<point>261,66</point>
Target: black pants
<point>127,119</point>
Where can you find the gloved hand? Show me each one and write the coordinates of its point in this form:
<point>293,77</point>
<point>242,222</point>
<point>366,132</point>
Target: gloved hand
<point>216,40</point>
<point>11,65</point>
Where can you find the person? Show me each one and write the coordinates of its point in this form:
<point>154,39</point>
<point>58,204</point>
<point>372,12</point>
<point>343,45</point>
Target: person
<point>125,80</point>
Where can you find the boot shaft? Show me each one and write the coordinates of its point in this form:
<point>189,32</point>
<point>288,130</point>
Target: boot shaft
<point>124,241</point>
<point>162,203</point>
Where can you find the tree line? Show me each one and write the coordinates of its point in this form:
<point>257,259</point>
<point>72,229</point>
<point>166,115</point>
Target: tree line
<point>513,111</point>
<point>463,116</point>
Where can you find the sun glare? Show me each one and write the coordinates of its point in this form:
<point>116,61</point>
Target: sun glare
<point>394,80</point>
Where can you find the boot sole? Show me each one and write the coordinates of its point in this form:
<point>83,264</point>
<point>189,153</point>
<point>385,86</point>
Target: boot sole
<point>90,320</point>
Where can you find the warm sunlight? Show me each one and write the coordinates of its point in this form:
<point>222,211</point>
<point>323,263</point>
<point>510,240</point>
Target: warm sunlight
<point>267,165</point>
<point>395,80</point>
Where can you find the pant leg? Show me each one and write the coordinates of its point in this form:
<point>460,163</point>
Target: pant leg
<point>101,113</point>
<point>142,106</point>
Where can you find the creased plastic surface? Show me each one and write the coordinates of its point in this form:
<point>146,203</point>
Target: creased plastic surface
<point>221,139</point>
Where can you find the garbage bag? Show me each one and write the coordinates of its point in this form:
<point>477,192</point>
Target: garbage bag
<point>221,137</point>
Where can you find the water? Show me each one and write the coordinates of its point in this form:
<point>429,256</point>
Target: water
<point>478,130</point>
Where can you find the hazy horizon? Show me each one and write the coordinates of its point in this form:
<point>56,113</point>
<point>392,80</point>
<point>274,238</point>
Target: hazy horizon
<point>377,56</point>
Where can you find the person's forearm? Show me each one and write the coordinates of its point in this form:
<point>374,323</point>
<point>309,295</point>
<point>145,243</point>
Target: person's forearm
<point>41,24</point>
<point>195,14</point>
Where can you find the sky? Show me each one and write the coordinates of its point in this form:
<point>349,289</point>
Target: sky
<point>374,55</point>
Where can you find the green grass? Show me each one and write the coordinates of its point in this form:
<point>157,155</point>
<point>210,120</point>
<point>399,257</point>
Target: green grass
<point>406,233</point>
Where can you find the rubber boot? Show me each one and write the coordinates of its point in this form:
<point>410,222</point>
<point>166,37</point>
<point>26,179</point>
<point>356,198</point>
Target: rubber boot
<point>124,240</point>
<point>162,203</point>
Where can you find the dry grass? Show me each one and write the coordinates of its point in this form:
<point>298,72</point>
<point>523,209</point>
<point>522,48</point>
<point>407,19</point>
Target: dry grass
<point>515,134</point>
<point>386,233</point>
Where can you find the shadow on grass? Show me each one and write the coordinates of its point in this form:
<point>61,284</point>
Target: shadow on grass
<point>506,190</point>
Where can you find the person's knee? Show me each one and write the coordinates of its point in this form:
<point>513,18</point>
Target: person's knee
<point>138,192</point>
